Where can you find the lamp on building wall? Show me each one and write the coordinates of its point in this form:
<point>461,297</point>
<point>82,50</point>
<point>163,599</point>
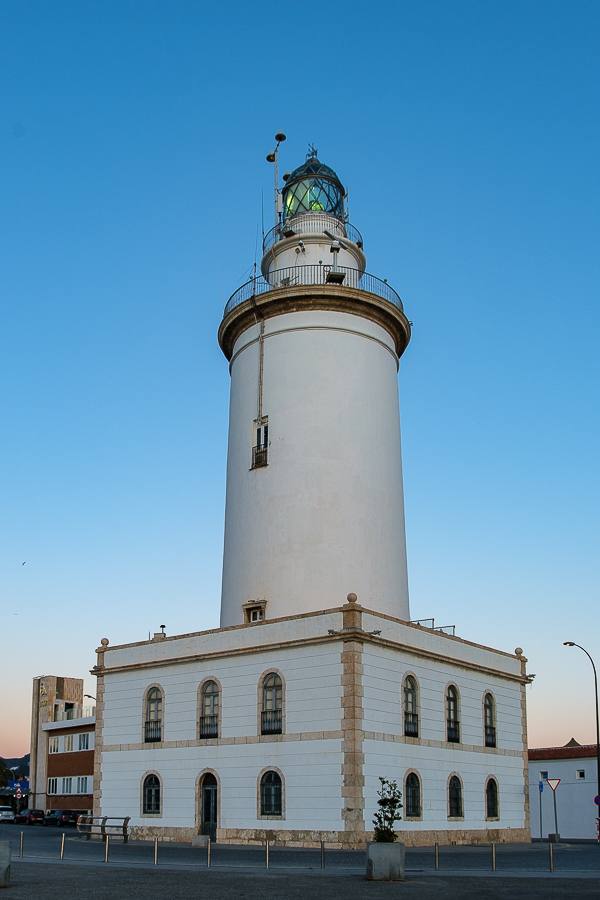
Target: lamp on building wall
<point>573,644</point>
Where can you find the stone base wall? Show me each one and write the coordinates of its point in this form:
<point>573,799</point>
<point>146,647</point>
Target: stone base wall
<point>474,836</point>
<point>335,840</point>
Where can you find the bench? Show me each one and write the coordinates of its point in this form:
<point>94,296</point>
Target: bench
<point>103,827</point>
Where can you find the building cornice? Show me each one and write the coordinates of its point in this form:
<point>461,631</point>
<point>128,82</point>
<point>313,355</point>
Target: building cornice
<point>349,634</point>
<point>295,298</point>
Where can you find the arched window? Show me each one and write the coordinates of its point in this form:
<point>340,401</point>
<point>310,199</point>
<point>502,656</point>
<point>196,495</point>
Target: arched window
<point>270,794</point>
<point>455,801</point>
<point>491,799</point>
<point>272,701</point>
<point>151,795</point>
<point>411,716</point>
<point>209,710</point>
<point>413,795</point>
<point>489,713</point>
<point>153,727</point>
<point>453,725</point>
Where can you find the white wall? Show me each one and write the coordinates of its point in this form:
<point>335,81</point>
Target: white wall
<point>384,670</point>
<point>575,805</point>
<point>326,516</point>
<point>311,768</point>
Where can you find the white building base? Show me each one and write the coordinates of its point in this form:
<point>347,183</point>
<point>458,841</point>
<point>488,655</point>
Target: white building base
<point>342,727</point>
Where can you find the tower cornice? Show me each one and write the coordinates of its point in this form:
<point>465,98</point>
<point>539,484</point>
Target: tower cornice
<point>332,297</point>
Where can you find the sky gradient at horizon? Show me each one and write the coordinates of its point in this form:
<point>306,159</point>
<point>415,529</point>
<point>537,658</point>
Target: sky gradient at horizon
<point>133,141</point>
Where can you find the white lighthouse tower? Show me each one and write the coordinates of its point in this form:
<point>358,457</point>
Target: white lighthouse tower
<point>278,725</point>
<point>314,473</point>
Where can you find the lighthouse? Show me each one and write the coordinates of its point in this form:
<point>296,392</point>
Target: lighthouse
<point>314,501</point>
<point>278,725</point>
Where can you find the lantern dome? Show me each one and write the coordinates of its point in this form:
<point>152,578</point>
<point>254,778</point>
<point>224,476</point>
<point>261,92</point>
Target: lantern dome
<point>313,187</point>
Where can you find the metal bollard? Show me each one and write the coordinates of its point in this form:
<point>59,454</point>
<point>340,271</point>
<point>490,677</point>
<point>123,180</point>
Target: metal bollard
<point>106,848</point>
<point>62,847</point>
<point>551,849</point>
<point>322,854</point>
<point>267,855</point>
<point>208,854</point>
<point>493,857</point>
<point>437,857</point>
<point>156,851</point>
<point>21,845</point>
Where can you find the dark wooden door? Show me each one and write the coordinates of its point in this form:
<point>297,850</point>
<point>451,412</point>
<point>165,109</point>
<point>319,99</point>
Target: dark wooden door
<point>209,807</point>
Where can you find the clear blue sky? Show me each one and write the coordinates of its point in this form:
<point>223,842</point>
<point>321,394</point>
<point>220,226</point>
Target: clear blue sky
<point>133,138</point>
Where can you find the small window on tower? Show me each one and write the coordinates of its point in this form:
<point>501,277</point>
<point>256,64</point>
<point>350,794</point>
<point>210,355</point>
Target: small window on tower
<point>581,773</point>
<point>254,611</point>
<point>261,446</point>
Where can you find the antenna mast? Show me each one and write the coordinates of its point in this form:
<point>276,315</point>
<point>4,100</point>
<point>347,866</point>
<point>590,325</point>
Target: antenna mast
<point>273,158</point>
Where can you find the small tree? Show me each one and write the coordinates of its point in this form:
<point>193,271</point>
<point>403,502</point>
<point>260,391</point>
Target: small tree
<point>390,804</point>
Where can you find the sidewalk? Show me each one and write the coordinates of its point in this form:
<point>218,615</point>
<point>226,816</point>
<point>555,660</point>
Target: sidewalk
<point>45,879</point>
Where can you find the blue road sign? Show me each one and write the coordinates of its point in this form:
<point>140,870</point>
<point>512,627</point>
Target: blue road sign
<point>597,800</point>
<point>541,786</point>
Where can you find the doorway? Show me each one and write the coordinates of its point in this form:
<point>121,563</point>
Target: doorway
<point>208,816</point>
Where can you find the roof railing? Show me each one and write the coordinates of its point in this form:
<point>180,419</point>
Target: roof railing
<point>312,223</point>
<point>291,276</point>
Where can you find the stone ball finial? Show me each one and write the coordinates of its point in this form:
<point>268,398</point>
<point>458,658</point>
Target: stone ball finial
<point>104,642</point>
<point>518,651</point>
<point>351,598</point>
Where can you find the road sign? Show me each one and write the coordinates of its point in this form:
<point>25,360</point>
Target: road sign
<point>553,782</point>
<point>597,800</point>
<point>18,794</point>
<point>541,786</point>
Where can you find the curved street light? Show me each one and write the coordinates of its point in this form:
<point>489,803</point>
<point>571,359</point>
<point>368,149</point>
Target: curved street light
<point>573,644</point>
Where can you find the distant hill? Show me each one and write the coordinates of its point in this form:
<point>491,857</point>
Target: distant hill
<point>22,762</point>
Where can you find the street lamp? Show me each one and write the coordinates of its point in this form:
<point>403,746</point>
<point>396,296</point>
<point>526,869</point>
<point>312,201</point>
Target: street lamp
<point>573,644</point>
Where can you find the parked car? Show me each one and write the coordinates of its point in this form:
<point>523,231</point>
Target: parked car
<point>30,817</point>
<point>61,817</point>
<point>7,814</point>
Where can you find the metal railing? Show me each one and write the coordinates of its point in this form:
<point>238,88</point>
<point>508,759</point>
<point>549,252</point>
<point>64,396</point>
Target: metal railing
<point>78,712</point>
<point>104,826</point>
<point>209,726</point>
<point>490,736</point>
<point>312,223</point>
<point>153,731</point>
<point>411,724</point>
<point>259,457</point>
<point>270,721</point>
<point>291,276</point>
<point>453,731</point>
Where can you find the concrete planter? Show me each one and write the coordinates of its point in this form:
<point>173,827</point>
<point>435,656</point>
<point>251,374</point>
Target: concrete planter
<point>5,863</point>
<point>385,862</point>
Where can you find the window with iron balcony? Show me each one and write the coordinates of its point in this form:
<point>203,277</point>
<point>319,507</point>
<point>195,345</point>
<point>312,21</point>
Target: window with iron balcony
<point>271,715</point>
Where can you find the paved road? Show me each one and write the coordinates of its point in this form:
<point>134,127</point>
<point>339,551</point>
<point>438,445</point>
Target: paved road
<point>45,842</point>
<point>51,880</point>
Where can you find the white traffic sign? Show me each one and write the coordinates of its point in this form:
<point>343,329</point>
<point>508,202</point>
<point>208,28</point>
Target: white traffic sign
<point>553,782</point>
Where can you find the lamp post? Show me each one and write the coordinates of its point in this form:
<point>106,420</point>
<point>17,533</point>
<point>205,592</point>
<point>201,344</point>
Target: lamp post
<point>573,644</point>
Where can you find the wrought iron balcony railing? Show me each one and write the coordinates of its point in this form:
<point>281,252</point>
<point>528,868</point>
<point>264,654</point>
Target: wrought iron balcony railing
<point>270,721</point>
<point>208,727</point>
<point>259,457</point>
<point>490,736</point>
<point>453,731</point>
<point>411,724</point>
<point>312,223</point>
<point>153,731</point>
<point>305,275</point>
